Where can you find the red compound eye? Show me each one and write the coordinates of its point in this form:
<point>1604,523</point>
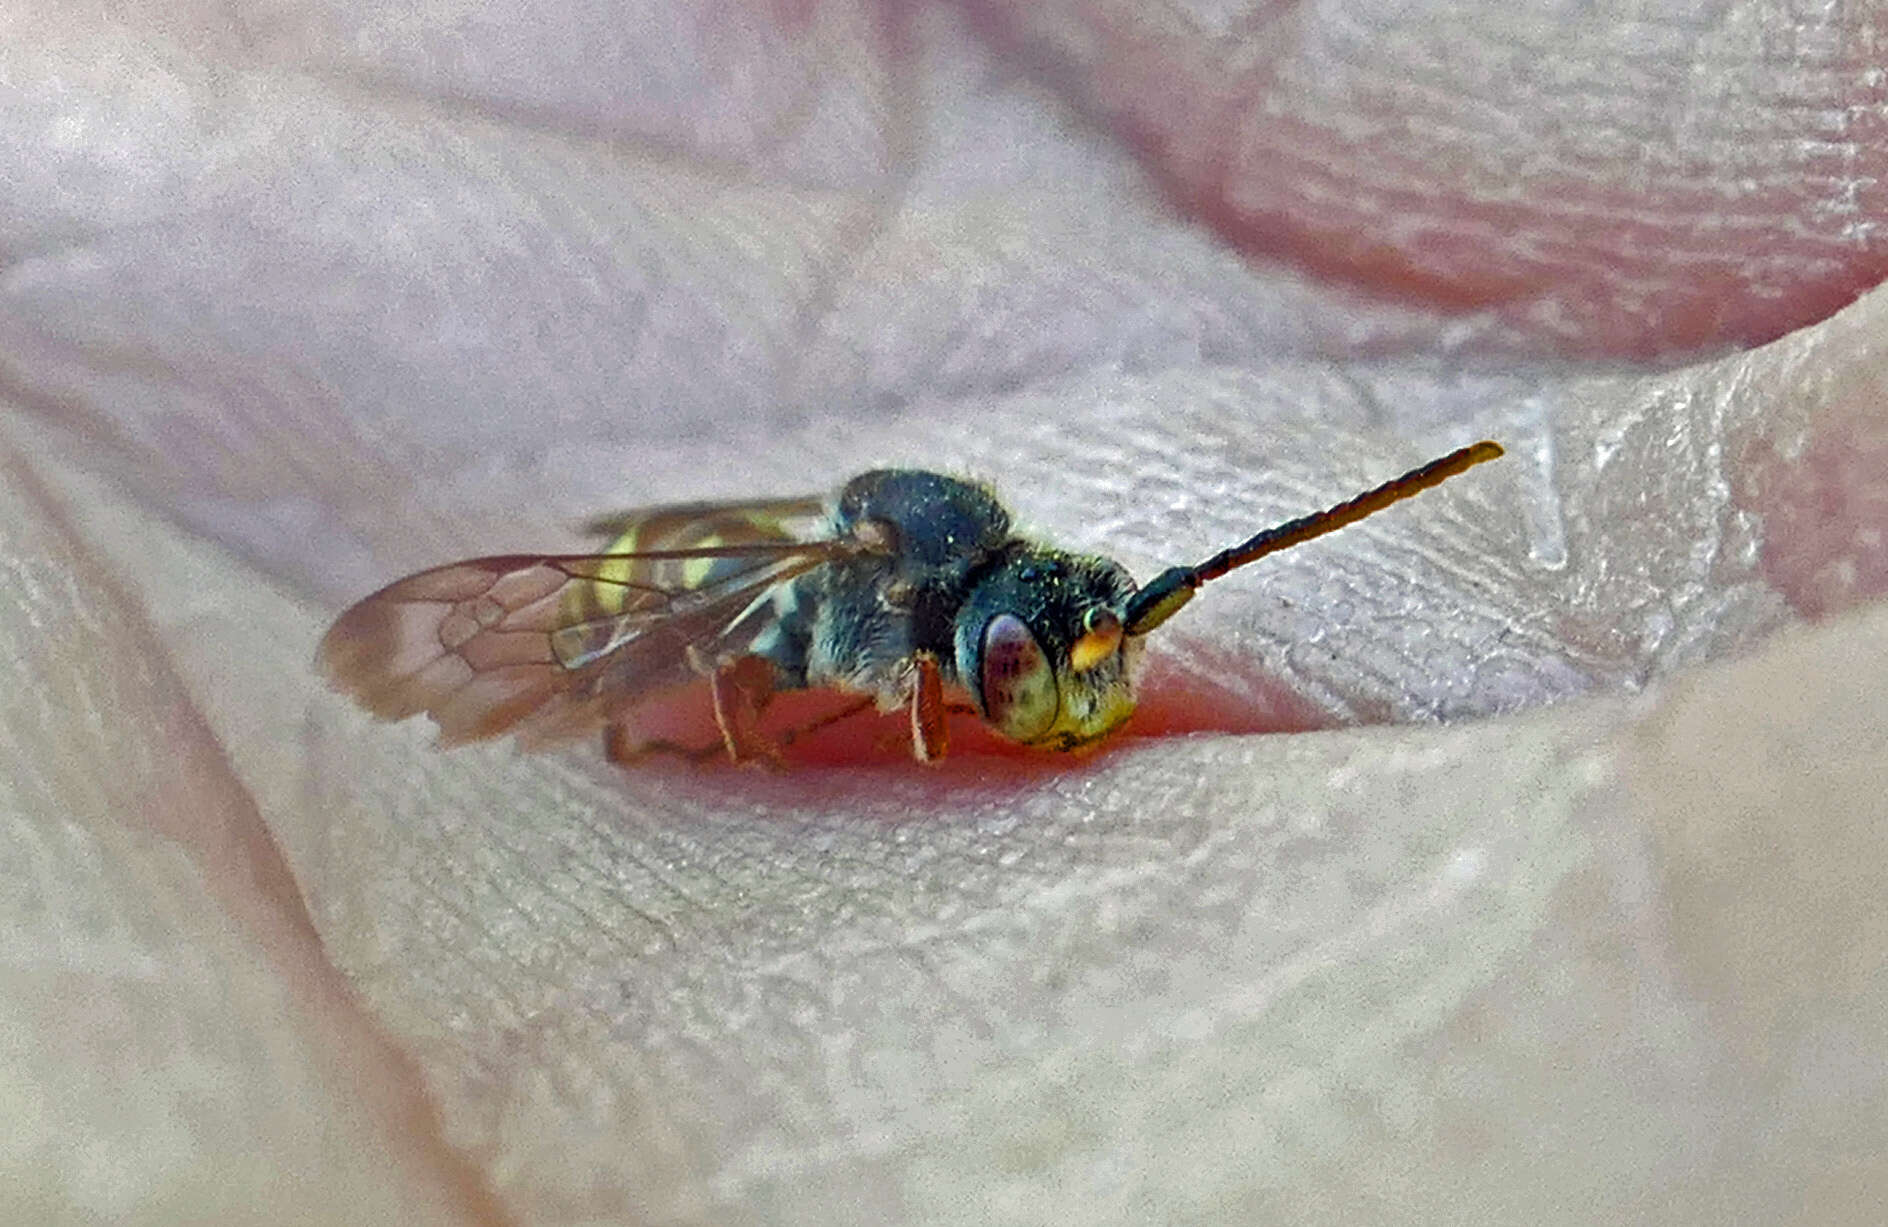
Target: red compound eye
<point>1018,685</point>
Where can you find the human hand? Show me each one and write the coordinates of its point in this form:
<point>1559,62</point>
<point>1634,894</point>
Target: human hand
<point>346,297</point>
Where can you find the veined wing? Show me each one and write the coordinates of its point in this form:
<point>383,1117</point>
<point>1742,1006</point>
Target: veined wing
<point>658,551</point>
<point>545,646</point>
<point>681,525</point>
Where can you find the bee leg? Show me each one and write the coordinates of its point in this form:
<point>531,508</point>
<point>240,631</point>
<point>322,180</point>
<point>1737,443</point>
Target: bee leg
<point>742,690</point>
<point>863,704</point>
<point>930,719</point>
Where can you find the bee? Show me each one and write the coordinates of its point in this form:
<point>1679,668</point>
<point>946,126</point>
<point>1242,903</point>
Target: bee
<point>908,591</point>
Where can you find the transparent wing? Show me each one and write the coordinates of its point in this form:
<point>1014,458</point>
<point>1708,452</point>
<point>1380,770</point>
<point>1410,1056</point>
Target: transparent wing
<point>545,646</point>
<point>679,525</point>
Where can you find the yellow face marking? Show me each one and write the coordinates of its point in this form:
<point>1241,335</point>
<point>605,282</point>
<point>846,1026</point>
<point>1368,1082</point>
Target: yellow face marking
<point>1098,641</point>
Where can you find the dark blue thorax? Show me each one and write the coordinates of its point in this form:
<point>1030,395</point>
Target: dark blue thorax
<point>942,526</point>
<point>857,621</point>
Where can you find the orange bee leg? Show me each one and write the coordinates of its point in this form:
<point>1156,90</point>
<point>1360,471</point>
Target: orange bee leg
<point>742,690</point>
<point>618,747</point>
<point>864,704</point>
<point>930,719</point>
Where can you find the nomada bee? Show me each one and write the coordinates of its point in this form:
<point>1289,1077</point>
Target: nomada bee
<point>908,591</point>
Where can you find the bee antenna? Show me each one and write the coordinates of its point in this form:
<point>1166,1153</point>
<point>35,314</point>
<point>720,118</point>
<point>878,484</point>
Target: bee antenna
<point>1167,592</point>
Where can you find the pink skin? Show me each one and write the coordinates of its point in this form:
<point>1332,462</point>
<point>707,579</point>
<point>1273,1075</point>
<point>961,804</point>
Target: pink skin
<point>301,303</point>
<point>1413,151</point>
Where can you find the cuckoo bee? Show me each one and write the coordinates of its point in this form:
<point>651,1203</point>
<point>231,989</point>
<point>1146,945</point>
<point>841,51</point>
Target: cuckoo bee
<point>908,592</point>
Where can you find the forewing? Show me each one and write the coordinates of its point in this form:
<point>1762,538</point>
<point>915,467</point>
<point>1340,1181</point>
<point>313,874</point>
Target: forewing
<point>682,525</point>
<point>658,551</point>
<point>546,645</point>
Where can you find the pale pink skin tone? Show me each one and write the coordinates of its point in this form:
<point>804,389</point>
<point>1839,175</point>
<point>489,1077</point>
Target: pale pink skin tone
<point>297,305</point>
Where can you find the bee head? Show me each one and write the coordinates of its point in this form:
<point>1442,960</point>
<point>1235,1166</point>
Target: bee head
<point>1041,648</point>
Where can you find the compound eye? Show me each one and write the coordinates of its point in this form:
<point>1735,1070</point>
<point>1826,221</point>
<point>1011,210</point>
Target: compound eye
<point>1018,684</point>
